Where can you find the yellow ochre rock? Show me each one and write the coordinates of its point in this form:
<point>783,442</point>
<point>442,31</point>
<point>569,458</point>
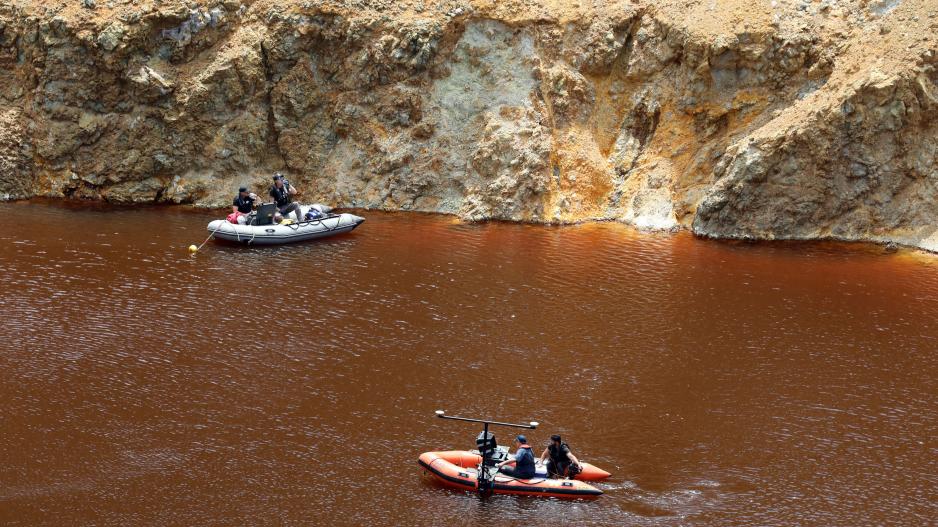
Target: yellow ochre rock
<point>757,119</point>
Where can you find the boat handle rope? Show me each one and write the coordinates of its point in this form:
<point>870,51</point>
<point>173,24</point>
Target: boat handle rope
<point>296,226</point>
<point>531,481</point>
<point>249,242</point>
<point>501,474</point>
<point>320,222</point>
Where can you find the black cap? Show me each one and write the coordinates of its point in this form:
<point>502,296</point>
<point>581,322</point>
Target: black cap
<point>521,439</point>
<point>555,437</point>
<point>243,189</point>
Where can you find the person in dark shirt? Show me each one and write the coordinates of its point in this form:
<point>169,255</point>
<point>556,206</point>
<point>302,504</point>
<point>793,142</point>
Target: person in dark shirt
<point>282,192</point>
<point>523,458</point>
<point>244,201</point>
<point>242,207</point>
<point>562,462</point>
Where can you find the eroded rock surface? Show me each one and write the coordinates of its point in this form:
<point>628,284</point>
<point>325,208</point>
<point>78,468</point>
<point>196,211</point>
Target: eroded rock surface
<point>762,120</point>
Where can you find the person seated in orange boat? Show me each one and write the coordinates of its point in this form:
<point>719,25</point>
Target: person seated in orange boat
<point>523,458</point>
<point>562,462</point>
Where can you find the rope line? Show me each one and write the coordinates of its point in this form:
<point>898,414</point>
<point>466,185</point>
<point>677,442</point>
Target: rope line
<point>209,237</point>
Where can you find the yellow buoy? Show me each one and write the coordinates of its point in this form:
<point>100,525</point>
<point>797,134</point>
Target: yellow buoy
<point>193,248</point>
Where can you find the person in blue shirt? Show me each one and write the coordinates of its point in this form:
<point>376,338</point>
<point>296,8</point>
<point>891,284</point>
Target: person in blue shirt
<point>523,458</point>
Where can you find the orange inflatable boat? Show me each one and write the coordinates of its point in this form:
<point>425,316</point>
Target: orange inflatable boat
<point>459,469</point>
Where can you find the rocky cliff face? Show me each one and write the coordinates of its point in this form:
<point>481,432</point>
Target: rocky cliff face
<point>780,119</point>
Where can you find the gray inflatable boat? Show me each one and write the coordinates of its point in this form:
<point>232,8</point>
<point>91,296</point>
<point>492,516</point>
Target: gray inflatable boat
<point>265,233</point>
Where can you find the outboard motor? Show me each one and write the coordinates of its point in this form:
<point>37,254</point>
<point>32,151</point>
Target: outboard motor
<point>494,453</point>
<point>486,440</point>
<point>489,449</point>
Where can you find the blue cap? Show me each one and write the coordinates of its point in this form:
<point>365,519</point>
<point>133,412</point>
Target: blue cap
<point>521,439</point>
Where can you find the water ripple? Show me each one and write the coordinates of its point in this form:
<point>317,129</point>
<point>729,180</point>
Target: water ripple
<point>722,383</point>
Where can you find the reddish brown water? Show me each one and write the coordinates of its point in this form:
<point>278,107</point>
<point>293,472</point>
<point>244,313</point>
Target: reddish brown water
<point>722,384</point>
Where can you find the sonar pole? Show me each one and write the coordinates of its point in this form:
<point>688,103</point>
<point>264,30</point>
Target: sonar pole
<point>485,481</point>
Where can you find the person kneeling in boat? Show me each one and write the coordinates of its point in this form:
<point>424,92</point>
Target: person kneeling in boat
<point>243,205</point>
<point>283,193</point>
<point>562,462</point>
<point>524,461</point>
